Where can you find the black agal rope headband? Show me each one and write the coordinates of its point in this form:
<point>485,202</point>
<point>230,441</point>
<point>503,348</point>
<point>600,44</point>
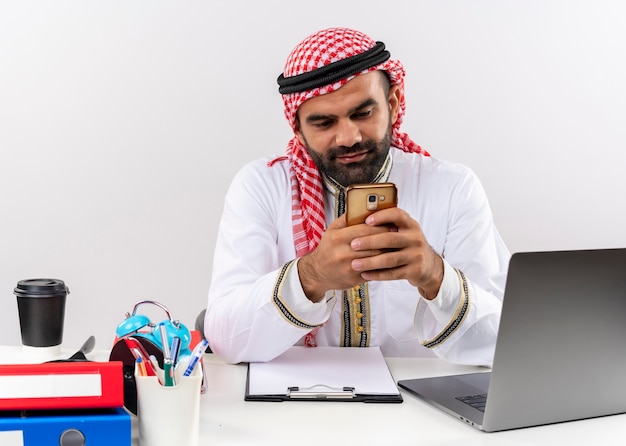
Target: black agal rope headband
<point>333,72</point>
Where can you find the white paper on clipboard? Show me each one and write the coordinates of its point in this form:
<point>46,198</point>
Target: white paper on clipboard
<point>362,368</point>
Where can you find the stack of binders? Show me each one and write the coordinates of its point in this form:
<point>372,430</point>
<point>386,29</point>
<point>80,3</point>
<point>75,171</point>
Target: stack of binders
<point>63,403</point>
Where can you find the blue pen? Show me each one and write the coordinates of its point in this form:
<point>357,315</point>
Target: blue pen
<point>175,350</point>
<point>196,354</point>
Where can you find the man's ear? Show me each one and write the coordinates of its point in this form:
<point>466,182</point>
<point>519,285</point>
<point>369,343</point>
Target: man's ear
<point>299,133</point>
<point>394,102</point>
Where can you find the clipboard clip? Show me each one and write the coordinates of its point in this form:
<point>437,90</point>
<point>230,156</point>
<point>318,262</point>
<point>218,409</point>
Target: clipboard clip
<point>321,392</point>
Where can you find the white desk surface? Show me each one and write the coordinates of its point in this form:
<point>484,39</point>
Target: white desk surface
<point>226,419</point>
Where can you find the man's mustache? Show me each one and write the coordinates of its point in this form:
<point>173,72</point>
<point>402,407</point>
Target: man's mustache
<point>343,150</point>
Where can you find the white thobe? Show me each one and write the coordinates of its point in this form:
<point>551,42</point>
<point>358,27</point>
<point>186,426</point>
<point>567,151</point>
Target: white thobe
<point>257,308</point>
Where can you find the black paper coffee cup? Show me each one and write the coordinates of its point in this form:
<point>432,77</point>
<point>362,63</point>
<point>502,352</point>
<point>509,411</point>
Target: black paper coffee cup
<point>41,308</point>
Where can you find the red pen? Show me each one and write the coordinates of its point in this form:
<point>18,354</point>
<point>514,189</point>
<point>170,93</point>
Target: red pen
<point>139,351</point>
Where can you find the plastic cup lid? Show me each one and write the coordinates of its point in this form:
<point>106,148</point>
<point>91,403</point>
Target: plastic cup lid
<point>40,287</point>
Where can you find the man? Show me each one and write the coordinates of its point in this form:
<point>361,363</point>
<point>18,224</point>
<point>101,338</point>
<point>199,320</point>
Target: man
<point>424,278</point>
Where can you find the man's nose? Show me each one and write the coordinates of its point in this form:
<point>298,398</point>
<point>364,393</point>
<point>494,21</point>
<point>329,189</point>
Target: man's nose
<point>348,133</point>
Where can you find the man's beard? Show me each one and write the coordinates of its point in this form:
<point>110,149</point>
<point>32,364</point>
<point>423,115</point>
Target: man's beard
<point>362,172</point>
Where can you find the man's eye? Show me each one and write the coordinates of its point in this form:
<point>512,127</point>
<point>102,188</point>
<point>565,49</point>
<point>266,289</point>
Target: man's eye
<point>363,114</point>
<point>322,124</point>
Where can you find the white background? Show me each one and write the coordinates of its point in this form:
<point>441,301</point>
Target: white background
<point>122,123</point>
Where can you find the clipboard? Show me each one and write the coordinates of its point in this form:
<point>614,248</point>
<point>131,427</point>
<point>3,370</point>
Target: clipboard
<point>348,374</point>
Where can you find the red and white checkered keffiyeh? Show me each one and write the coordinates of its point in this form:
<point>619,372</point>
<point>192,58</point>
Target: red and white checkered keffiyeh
<point>318,50</point>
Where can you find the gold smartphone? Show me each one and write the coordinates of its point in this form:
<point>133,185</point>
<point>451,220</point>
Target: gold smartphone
<point>365,199</point>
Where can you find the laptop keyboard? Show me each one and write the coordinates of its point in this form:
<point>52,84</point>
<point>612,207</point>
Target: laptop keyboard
<point>476,401</point>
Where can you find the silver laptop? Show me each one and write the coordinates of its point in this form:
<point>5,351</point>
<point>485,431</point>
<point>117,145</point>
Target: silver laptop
<point>561,348</point>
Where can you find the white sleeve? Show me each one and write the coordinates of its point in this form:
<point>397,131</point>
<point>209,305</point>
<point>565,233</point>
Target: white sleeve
<point>466,318</point>
<point>256,307</point>
<point>474,248</point>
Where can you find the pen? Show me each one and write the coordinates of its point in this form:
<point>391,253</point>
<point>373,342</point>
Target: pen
<point>154,362</point>
<point>175,350</point>
<point>168,373</point>
<point>165,343</point>
<point>141,367</point>
<point>168,369</point>
<point>138,351</point>
<point>196,354</point>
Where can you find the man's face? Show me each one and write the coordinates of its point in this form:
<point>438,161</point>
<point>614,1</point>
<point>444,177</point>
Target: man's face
<point>348,132</point>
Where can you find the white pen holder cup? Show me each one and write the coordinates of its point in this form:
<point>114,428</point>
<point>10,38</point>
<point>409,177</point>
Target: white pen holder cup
<point>169,415</point>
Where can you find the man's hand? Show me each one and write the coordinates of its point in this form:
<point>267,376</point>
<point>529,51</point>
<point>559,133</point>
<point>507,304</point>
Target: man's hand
<point>329,266</point>
<point>403,254</point>
<point>389,246</point>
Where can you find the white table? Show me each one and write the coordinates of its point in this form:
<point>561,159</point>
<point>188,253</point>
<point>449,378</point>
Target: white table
<point>226,419</point>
